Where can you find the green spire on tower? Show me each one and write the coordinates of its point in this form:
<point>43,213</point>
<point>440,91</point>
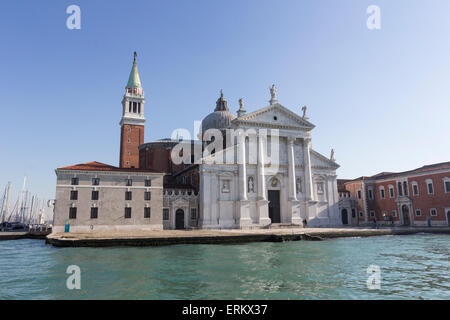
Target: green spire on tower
<point>134,81</point>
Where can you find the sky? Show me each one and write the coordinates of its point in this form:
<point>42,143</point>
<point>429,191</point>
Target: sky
<point>380,98</point>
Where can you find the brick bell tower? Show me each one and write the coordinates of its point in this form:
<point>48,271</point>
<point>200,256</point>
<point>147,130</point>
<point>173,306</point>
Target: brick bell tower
<point>133,120</point>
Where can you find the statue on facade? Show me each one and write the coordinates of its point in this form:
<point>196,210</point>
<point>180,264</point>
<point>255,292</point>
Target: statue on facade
<point>251,185</point>
<point>225,186</point>
<point>332,155</point>
<point>320,187</point>
<point>298,185</point>
<point>241,104</point>
<point>304,112</point>
<point>273,92</point>
<point>241,110</point>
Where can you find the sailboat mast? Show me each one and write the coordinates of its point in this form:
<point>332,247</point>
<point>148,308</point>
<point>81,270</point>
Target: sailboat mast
<point>21,200</point>
<point>8,200</point>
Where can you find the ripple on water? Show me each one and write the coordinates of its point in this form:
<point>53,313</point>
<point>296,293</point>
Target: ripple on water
<point>413,267</point>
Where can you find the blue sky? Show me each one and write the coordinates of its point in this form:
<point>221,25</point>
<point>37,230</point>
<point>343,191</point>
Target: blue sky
<point>380,98</point>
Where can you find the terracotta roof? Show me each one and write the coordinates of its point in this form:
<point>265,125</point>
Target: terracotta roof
<point>385,175</point>
<point>98,166</point>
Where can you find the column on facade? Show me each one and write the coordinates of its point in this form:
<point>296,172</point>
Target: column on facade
<point>260,167</point>
<point>242,167</point>
<point>291,169</point>
<point>307,166</point>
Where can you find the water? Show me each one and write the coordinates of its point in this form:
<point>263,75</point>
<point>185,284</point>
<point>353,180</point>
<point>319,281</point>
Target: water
<point>412,267</point>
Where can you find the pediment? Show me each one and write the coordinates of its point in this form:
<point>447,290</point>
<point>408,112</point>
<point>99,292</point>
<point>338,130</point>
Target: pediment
<point>274,116</point>
<point>320,161</point>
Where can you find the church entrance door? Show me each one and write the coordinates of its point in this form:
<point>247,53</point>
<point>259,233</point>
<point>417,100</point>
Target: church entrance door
<point>344,216</point>
<point>179,219</point>
<point>274,206</point>
<point>405,213</point>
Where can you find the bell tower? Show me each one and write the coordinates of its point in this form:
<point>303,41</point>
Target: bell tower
<point>133,120</point>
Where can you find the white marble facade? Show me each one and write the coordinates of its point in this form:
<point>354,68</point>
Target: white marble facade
<point>236,194</point>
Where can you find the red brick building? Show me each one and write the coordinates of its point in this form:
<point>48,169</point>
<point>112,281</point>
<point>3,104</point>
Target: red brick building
<point>417,197</point>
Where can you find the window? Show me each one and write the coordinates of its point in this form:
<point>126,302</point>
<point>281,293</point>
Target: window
<point>94,195</point>
<point>95,181</point>
<point>372,213</point>
<point>400,192</point>
<point>128,195</point>
<point>127,213</point>
<point>433,212</point>
<point>184,179</point>
<point>147,195</point>
<point>370,194</point>
<point>74,195</point>
<point>147,213</point>
<point>129,182</point>
<point>134,107</point>
<point>447,186</point>
<point>353,213</point>
<point>129,106</point>
<point>360,214</point>
<point>94,213</point>
<point>139,107</point>
<point>418,212</point>
<point>73,213</point>
<point>405,188</point>
<point>382,193</point>
<point>430,186</point>
<point>74,181</point>
<point>391,191</point>
<point>148,183</point>
<point>415,188</point>
<point>193,213</point>
<point>359,194</point>
<point>166,214</point>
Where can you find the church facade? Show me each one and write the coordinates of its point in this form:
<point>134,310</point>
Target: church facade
<point>249,170</point>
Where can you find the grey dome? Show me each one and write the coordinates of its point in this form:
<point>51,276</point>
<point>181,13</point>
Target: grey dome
<point>221,117</point>
<point>217,120</point>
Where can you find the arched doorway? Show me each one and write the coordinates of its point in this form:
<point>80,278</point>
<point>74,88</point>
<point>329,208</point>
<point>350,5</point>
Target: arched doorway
<point>405,214</point>
<point>179,219</point>
<point>344,216</point>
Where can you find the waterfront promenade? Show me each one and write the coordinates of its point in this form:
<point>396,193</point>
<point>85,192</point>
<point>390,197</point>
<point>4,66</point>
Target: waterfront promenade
<point>170,237</point>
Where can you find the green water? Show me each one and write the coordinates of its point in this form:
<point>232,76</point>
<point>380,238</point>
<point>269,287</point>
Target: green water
<point>412,267</point>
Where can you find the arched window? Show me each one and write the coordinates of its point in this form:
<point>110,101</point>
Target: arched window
<point>400,192</point>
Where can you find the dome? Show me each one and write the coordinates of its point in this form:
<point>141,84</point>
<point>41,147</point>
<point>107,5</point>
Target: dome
<point>221,117</point>
<point>217,120</point>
